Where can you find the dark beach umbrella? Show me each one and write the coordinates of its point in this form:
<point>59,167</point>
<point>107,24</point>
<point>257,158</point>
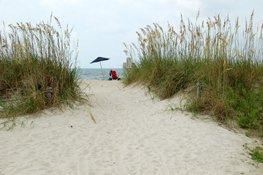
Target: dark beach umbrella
<point>99,60</point>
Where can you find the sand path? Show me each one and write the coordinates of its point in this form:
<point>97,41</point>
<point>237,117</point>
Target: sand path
<point>133,134</point>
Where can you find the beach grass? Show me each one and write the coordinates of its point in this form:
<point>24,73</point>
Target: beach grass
<point>257,154</point>
<point>37,67</point>
<point>218,62</point>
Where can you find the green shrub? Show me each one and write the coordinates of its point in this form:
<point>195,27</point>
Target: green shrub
<point>218,62</point>
<point>257,154</point>
<point>36,68</point>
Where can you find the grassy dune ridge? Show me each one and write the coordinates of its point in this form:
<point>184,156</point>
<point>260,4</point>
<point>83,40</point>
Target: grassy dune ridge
<point>37,67</point>
<point>217,60</point>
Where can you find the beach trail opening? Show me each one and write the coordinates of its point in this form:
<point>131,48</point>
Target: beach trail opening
<point>133,133</point>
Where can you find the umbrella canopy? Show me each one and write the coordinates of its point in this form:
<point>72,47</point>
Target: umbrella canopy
<point>99,59</point>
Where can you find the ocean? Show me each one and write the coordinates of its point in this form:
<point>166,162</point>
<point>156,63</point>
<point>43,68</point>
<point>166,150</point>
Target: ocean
<point>96,74</point>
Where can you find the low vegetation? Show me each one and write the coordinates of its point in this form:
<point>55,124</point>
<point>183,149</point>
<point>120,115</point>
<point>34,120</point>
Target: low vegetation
<point>37,68</point>
<point>257,154</point>
<point>217,61</point>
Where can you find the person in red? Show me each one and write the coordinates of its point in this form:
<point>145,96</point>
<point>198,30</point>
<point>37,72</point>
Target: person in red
<point>113,75</point>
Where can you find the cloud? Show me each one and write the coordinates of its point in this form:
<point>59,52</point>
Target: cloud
<point>180,4</point>
<point>102,25</point>
<point>190,4</point>
<point>58,3</point>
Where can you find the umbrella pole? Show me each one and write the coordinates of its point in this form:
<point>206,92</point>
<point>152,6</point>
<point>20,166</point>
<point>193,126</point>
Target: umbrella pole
<point>101,70</point>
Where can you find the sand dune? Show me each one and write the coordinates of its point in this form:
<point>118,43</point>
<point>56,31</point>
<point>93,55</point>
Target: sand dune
<point>133,134</point>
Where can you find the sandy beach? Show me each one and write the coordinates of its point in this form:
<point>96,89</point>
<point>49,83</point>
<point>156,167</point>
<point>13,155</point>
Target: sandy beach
<point>132,133</point>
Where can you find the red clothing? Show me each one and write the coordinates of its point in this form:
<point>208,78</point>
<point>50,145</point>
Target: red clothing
<point>114,75</point>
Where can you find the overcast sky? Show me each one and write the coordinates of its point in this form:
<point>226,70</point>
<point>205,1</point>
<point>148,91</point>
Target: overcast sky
<point>101,26</point>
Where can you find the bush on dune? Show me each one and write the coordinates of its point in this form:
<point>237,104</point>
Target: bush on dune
<point>219,61</point>
<point>36,68</point>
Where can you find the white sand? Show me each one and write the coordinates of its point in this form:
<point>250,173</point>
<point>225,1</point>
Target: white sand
<point>133,135</point>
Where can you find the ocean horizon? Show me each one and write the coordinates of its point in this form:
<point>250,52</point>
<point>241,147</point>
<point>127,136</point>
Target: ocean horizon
<point>97,74</point>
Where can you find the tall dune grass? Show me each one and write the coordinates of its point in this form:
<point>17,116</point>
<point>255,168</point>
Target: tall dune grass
<point>218,60</point>
<point>37,68</point>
